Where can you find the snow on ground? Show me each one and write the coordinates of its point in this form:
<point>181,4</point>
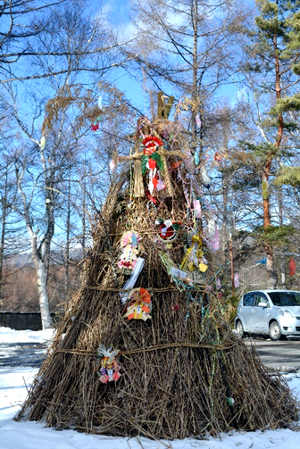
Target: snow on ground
<point>8,335</point>
<point>31,435</point>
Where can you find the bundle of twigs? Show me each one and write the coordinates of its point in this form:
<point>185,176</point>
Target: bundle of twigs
<point>183,372</point>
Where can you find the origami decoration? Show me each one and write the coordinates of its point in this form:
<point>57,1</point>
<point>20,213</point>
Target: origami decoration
<point>139,306</point>
<point>292,267</point>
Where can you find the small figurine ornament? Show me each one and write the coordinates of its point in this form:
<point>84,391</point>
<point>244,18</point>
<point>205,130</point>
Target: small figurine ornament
<point>108,368</point>
<point>129,243</point>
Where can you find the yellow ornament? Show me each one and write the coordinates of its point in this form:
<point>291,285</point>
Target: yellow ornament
<point>203,267</point>
<point>191,266</point>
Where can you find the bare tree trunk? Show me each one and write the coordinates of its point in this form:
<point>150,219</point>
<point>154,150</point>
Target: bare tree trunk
<point>42,277</point>
<point>272,276</point>
<point>67,248</point>
<point>40,251</point>
<point>3,228</point>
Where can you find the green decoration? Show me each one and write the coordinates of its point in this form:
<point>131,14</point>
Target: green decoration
<point>158,159</point>
<point>144,161</point>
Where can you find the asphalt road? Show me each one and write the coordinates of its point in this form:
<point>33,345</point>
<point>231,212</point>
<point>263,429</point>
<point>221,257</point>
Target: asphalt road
<point>283,355</point>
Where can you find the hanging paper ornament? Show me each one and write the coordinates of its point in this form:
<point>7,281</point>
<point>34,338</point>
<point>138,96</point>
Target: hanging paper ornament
<point>140,303</point>
<point>236,280</point>
<point>197,209</point>
<point>151,198</point>
<point>42,143</point>
<point>96,111</point>
<point>175,307</point>
<point>218,283</point>
<point>194,258</point>
<point>205,178</point>
<point>129,243</point>
<point>196,158</point>
<point>108,368</point>
<point>95,126</point>
<point>167,229</point>
<point>213,242</point>
<point>218,157</point>
<point>292,267</point>
<point>133,278</point>
<point>112,165</point>
<point>198,120</point>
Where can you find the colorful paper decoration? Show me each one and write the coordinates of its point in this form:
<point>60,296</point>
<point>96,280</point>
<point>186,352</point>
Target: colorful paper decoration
<point>292,267</point>
<point>139,307</point>
<point>190,277</point>
<point>194,258</point>
<point>129,243</point>
<point>205,178</point>
<point>151,143</point>
<point>197,209</point>
<point>218,157</point>
<point>236,280</point>
<point>108,368</point>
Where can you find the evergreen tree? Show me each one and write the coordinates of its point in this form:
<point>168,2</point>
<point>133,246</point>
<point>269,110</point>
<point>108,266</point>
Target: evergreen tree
<point>274,62</point>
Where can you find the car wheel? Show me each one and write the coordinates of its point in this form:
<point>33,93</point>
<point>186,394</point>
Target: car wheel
<point>274,331</point>
<point>239,329</point>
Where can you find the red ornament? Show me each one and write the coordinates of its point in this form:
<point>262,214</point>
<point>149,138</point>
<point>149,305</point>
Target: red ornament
<point>165,232</point>
<point>95,127</point>
<point>152,164</point>
<point>151,143</point>
<point>151,198</point>
<point>175,307</point>
<point>292,267</point>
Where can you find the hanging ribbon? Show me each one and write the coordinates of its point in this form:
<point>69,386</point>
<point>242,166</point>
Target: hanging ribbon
<point>194,255</point>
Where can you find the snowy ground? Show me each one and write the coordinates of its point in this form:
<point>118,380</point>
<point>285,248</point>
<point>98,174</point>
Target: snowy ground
<point>31,435</point>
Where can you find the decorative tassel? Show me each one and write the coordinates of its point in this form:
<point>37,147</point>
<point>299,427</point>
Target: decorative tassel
<point>167,179</point>
<point>139,190</point>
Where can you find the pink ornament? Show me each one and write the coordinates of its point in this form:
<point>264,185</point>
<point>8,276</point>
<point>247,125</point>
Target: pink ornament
<point>197,209</point>
<point>236,280</point>
<point>112,165</point>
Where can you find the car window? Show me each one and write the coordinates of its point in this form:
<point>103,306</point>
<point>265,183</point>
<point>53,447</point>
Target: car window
<point>260,298</point>
<point>282,299</point>
<point>248,299</point>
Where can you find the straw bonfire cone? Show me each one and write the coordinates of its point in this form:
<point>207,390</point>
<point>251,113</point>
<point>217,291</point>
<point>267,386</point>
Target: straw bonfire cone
<point>144,348</point>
